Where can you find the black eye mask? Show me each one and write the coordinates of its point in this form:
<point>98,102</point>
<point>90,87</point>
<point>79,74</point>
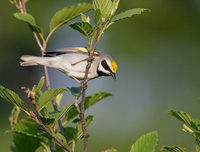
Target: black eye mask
<point>105,65</point>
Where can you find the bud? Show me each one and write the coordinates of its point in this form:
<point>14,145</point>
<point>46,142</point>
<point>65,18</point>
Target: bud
<point>32,114</point>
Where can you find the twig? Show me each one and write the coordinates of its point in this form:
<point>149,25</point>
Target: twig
<point>42,49</point>
<point>84,87</point>
<point>36,117</point>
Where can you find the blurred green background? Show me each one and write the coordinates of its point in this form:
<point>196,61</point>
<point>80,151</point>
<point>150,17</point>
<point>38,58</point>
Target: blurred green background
<point>158,55</point>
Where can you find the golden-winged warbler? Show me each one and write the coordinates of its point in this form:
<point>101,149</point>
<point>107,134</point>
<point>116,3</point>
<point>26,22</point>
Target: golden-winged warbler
<point>73,62</point>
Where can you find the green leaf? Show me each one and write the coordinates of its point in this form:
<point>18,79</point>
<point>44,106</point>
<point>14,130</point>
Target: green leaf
<point>185,118</point>
<point>25,135</point>
<point>173,149</point>
<point>13,98</point>
<point>83,27</point>
<point>40,84</point>
<point>28,18</point>
<point>48,96</point>
<point>146,143</point>
<point>58,148</point>
<point>58,100</point>
<point>12,1</point>
<point>14,116</point>
<point>105,7</point>
<point>70,134</point>
<point>47,117</point>
<point>79,131</point>
<point>196,122</point>
<point>64,110</point>
<point>128,13</point>
<point>68,13</point>
<point>111,150</point>
<point>97,16</point>
<point>115,6</point>
<point>75,92</point>
<point>84,18</point>
<point>89,101</point>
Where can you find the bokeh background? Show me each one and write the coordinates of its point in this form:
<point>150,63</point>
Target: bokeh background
<point>158,55</point>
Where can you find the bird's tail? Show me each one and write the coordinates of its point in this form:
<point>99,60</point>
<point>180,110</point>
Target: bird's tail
<point>28,60</point>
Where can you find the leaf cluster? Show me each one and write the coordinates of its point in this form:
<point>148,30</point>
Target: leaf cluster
<point>103,10</point>
<point>104,14</point>
<point>190,125</point>
<point>28,135</point>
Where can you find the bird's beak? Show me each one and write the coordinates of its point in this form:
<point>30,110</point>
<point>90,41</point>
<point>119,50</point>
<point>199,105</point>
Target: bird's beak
<point>113,75</point>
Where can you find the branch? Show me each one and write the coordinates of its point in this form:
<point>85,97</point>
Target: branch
<point>42,47</point>
<point>36,117</point>
<point>84,87</point>
<point>22,8</point>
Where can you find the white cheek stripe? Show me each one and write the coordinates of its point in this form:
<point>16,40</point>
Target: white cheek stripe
<point>101,68</point>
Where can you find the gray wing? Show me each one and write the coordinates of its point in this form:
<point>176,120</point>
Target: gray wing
<point>66,51</point>
<point>79,50</point>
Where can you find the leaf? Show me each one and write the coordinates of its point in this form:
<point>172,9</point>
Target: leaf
<point>13,98</point>
<point>115,6</point>
<point>68,13</point>
<point>58,148</point>
<point>173,149</point>
<point>58,100</point>
<point>97,16</point>
<point>12,1</point>
<point>14,116</point>
<point>185,118</point>
<point>47,117</point>
<point>111,150</point>
<point>40,84</point>
<point>146,143</point>
<point>79,131</point>
<point>70,134</point>
<point>105,7</point>
<point>64,110</point>
<point>89,101</point>
<point>25,135</point>
<point>84,18</point>
<point>28,18</point>
<point>196,122</point>
<point>75,92</point>
<point>128,14</point>
<point>48,96</point>
<point>83,27</point>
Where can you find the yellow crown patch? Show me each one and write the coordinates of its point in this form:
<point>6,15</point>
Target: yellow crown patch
<point>114,66</point>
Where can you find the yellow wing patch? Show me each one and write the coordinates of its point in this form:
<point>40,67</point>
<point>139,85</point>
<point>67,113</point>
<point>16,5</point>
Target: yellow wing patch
<point>82,49</point>
<point>114,66</point>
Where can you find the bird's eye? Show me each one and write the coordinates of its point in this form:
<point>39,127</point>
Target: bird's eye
<point>105,65</point>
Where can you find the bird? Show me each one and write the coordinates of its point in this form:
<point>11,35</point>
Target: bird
<point>73,61</point>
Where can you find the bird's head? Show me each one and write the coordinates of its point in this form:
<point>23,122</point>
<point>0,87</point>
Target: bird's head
<point>107,66</point>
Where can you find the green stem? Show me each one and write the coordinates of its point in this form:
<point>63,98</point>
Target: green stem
<point>73,145</point>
